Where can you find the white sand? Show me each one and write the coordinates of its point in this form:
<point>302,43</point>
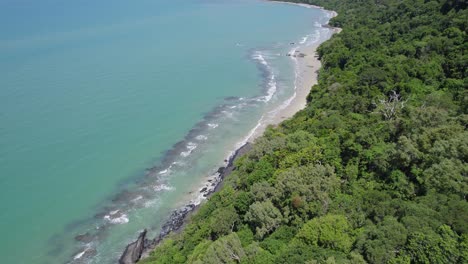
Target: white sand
<point>308,67</point>
<point>305,79</point>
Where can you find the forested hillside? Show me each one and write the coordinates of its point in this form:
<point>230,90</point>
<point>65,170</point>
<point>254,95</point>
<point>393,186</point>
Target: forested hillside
<point>374,170</point>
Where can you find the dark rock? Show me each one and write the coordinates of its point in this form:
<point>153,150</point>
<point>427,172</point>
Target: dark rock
<point>178,217</point>
<point>175,222</point>
<point>85,238</point>
<point>221,169</point>
<point>100,215</point>
<point>124,196</point>
<point>134,250</point>
<point>90,252</point>
<point>231,98</point>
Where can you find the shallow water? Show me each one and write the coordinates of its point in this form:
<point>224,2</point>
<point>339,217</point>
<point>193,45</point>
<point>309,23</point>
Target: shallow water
<point>114,113</point>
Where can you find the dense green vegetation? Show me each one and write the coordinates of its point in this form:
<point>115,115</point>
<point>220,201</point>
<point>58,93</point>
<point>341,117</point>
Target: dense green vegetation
<point>373,170</point>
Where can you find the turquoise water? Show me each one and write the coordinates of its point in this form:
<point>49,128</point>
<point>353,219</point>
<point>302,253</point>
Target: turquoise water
<point>93,94</point>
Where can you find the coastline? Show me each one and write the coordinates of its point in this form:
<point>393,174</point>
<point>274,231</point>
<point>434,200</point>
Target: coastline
<point>142,246</point>
<point>307,66</point>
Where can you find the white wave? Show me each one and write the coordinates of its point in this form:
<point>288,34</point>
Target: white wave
<point>208,187</point>
<point>162,187</point>
<point>150,203</point>
<point>139,197</point>
<point>292,52</point>
<point>286,103</point>
<point>214,125</point>
<point>303,40</point>
<point>113,212</point>
<point>271,82</point>
<point>122,219</point>
<point>190,147</point>
<point>259,57</point>
<point>315,38</point>
<point>200,197</point>
<point>79,255</point>
<point>201,137</point>
<point>169,169</point>
<point>164,171</point>
<point>271,88</point>
<point>228,114</point>
<point>303,5</point>
<point>241,105</point>
<point>248,137</point>
<point>214,180</point>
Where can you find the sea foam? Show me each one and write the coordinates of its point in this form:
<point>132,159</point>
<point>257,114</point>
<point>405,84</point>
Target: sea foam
<point>115,217</point>
<point>79,255</point>
<point>162,187</point>
<point>190,147</point>
<point>272,85</point>
<point>201,137</point>
<point>214,125</point>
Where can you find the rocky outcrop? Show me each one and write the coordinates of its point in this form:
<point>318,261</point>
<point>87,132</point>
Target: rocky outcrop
<point>225,171</point>
<point>142,246</point>
<point>134,250</point>
<point>175,222</point>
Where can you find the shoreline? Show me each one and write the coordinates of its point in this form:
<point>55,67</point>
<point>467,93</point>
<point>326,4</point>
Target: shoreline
<point>142,246</point>
<point>307,66</point>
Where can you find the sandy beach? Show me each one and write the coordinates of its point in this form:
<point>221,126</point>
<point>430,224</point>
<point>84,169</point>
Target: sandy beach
<point>307,74</point>
<point>306,77</point>
<point>307,65</point>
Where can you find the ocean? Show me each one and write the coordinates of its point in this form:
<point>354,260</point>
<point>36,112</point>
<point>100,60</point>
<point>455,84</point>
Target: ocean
<point>115,113</point>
